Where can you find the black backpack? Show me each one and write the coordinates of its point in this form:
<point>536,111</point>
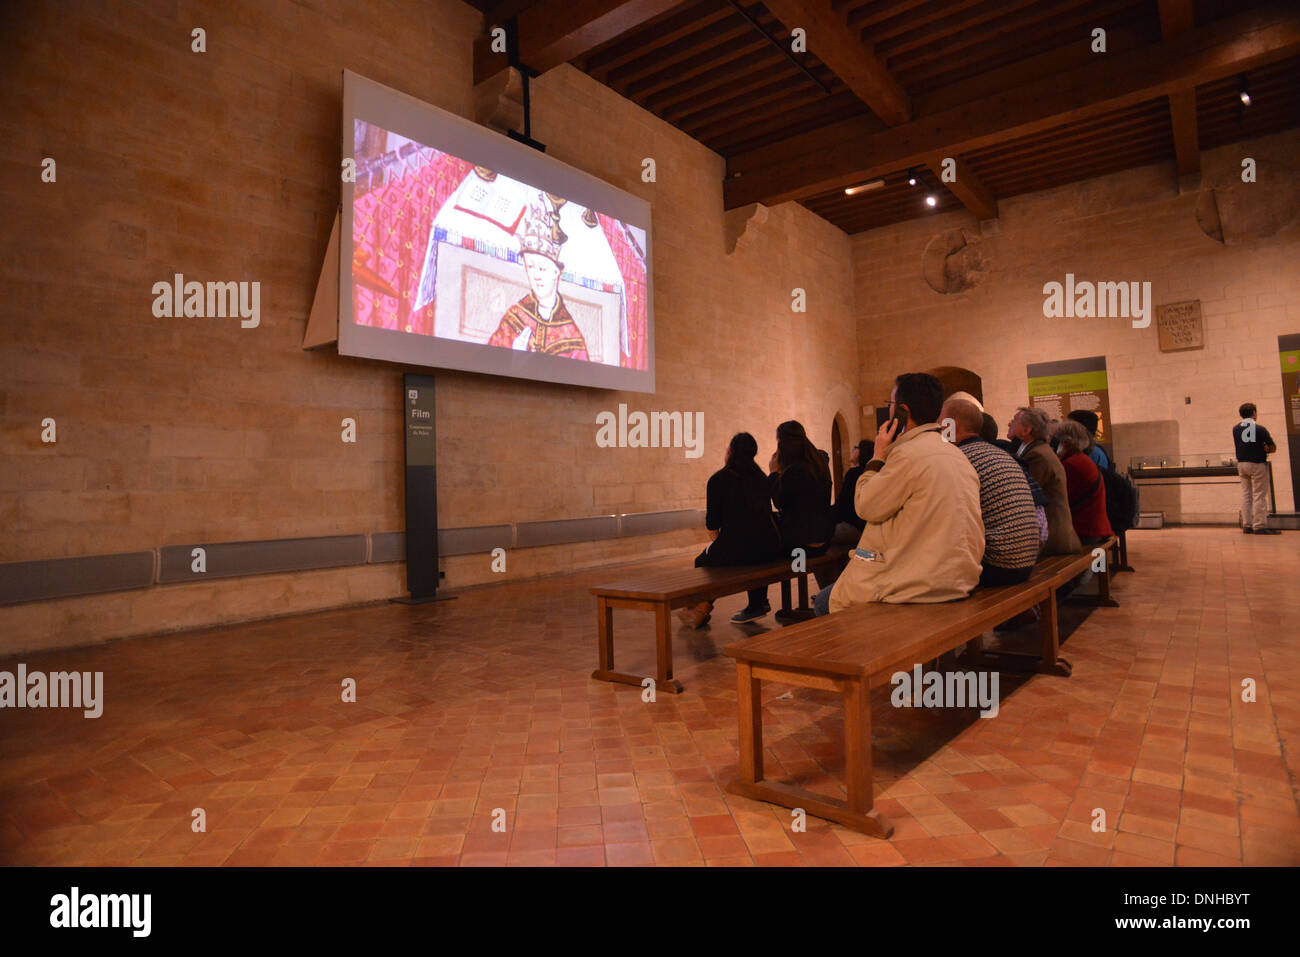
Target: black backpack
<point>1121,500</point>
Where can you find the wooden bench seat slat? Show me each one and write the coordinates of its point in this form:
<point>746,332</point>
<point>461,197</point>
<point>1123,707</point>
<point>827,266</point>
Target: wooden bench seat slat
<point>865,644</point>
<point>862,639</point>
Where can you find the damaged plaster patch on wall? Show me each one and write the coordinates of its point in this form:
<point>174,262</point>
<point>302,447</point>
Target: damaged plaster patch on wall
<point>953,263</point>
<point>1233,212</point>
<point>737,223</point>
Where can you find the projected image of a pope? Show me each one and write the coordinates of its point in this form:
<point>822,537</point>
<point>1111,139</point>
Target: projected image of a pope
<point>539,322</point>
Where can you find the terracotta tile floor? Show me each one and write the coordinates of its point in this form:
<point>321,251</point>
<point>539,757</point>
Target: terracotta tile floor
<point>482,709</point>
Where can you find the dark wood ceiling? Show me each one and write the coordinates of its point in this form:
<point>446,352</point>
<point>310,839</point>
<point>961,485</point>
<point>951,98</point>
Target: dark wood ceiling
<point>789,125</point>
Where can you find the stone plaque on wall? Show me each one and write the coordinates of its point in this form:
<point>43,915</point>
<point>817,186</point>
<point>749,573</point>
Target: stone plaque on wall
<point>1180,326</point>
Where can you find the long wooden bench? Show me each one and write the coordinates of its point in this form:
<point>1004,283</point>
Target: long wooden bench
<point>850,651</point>
<point>661,590</point>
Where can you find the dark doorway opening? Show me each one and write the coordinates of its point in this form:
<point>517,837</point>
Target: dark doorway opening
<point>837,448</point>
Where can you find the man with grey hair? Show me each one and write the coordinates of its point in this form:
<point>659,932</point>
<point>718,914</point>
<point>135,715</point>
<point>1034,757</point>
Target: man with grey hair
<point>1006,503</point>
<point>1029,428</point>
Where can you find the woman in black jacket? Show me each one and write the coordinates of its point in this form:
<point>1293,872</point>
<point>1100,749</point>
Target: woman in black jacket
<point>739,516</point>
<point>800,487</point>
<point>848,526</point>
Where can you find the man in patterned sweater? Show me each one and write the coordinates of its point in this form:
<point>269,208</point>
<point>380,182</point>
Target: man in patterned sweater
<point>1011,539</point>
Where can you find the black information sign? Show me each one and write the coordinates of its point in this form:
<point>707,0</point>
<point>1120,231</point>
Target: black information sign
<point>421,488</point>
<point>1288,348</point>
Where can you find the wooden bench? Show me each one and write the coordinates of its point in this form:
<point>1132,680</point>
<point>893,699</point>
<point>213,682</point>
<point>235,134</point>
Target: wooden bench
<point>661,590</point>
<point>850,651</point>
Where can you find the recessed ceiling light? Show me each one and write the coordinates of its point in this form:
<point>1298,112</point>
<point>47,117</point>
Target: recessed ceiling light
<point>1243,91</point>
<point>864,188</point>
<point>931,201</point>
<point>911,178</point>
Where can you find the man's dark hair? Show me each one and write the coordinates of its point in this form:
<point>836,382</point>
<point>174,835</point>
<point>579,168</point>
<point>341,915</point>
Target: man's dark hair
<point>922,393</point>
<point>1086,419</point>
<point>1247,410</point>
<point>989,431</point>
<point>866,449</point>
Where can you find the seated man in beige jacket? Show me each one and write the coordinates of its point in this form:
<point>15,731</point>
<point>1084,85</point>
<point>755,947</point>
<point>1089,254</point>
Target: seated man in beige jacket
<point>920,497</point>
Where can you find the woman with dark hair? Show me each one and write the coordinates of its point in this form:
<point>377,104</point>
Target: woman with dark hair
<point>739,517</point>
<point>800,486</point>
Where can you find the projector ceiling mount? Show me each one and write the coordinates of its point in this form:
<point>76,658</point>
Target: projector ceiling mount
<point>527,73</point>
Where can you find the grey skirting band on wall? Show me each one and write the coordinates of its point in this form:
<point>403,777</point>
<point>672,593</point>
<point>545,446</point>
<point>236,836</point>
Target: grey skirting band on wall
<point>236,559</point>
<point>67,577</point>
<point>47,579</point>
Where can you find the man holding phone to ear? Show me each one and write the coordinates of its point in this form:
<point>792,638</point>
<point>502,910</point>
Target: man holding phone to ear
<point>920,498</point>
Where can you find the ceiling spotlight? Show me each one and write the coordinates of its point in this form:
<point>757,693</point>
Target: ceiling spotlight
<point>911,177</point>
<point>931,201</point>
<point>1243,91</point>
<point>864,188</point>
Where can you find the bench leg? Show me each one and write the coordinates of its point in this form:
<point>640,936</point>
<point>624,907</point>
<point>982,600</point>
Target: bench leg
<point>857,812</point>
<point>1121,555</point>
<point>1103,598</point>
<point>605,634</point>
<point>1103,587</point>
<point>857,746</point>
<point>664,649</point>
<point>749,705</point>
<point>1049,631</point>
<point>803,593</point>
<point>785,594</point>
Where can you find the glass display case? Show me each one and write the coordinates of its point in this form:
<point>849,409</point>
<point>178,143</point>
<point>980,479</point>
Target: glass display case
<point>1183,464</point>
<point>1189,468</point>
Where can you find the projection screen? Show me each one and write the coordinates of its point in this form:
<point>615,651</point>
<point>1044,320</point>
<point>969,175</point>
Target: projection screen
<point>463,249</point>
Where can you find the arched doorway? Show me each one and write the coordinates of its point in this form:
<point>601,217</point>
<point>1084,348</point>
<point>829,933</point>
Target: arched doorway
<point>957,379</point>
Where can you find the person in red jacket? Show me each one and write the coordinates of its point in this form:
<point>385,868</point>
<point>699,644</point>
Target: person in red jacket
<point>1083,482</point>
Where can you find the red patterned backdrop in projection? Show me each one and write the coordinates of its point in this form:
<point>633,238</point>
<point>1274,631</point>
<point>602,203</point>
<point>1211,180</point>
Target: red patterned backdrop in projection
<point>391,223</point>
<point>631,264</point>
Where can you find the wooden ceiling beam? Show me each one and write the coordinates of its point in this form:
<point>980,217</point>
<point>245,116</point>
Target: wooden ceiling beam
<point>967,187</point>
<point>841,48</point>
<point>1187,141</point>
<point>499,13</point>
<point>556,31</point>
<point>1234,45</point>
<point>832,42</point>
<point>1176,18</point>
